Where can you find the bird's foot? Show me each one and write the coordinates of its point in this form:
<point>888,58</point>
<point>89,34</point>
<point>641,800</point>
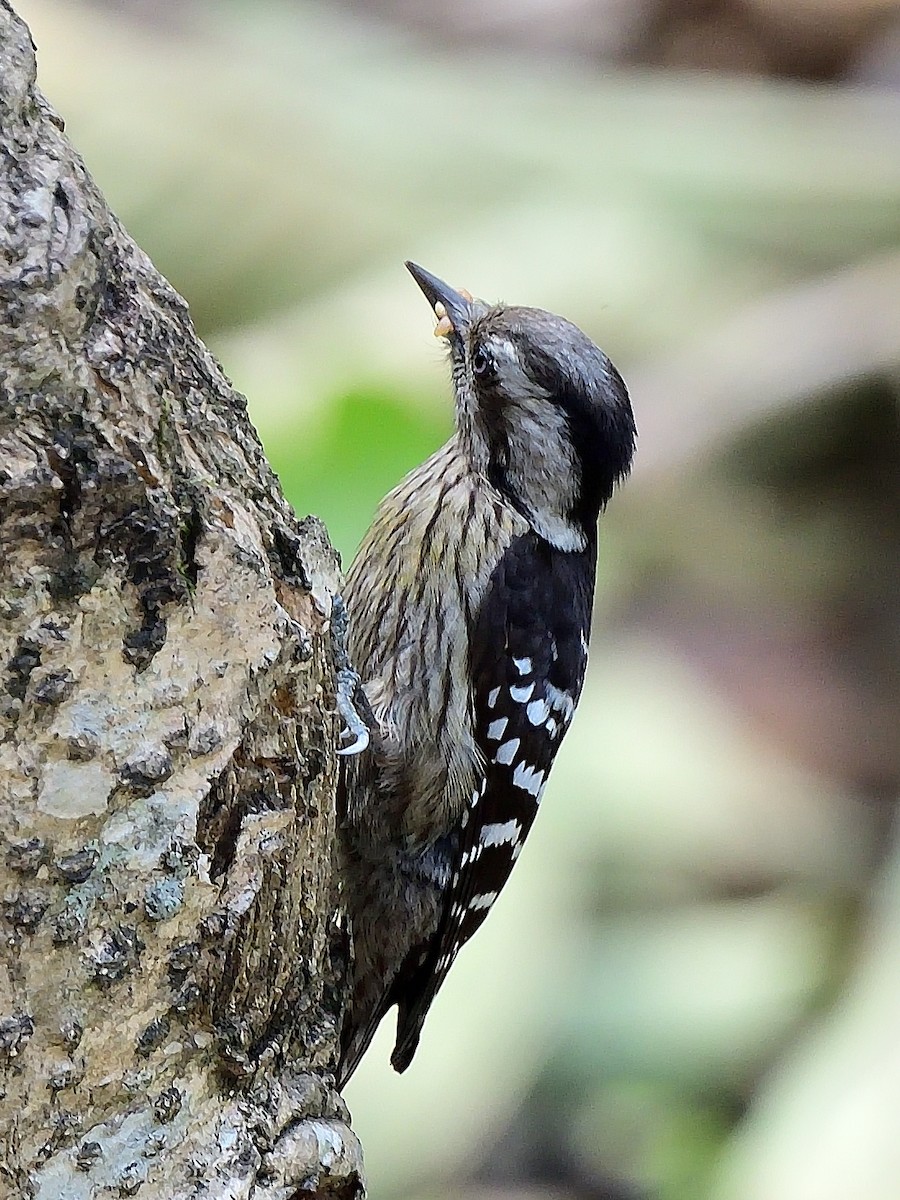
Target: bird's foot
<point>351,699</point>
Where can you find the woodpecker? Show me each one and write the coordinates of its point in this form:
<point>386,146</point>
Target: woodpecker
<point>469,607</point>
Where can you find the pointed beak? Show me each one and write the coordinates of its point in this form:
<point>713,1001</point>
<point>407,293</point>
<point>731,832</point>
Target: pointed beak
<point>453,309</point>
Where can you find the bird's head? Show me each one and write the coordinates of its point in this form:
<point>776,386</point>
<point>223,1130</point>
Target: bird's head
<point>540,409</point>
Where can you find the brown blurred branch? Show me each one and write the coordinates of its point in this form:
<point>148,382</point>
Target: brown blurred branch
<point>774,354</point>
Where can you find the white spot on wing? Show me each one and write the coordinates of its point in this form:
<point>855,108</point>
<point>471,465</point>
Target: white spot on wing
<point>496,728</point>
<point>561,702</point>
<point>523,665</point>
<point>538,711</point>
<point>485,900</point>
<point>501,833</point>
<point>521,694</point>
<point>507,752</point>
<point>493,696</point>
<point>529,779</point>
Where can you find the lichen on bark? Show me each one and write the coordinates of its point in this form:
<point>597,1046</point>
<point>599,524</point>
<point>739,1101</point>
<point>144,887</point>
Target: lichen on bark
<point>170,980</point>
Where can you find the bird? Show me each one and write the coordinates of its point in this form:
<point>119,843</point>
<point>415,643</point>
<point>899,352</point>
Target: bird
<point>469,610</point>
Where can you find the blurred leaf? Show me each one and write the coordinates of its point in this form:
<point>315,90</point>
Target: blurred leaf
<point>824,1127</point>
<point>664,1138</point>
<point>661,776</point>
<point>698,994</point>
<point>341,468</point>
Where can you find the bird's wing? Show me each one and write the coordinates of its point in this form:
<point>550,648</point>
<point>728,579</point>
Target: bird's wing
<point>528,654</point>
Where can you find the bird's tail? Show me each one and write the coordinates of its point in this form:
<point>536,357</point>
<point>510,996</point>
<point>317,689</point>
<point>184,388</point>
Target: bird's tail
<point>408,1033</point>
<point>355,1042</point>
<point>414,994</point>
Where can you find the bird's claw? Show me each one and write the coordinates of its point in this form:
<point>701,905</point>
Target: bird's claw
<point>354,726</point>
<point>348,685</point>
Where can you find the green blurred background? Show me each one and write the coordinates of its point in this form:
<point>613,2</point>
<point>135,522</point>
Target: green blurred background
<point>691,986</point>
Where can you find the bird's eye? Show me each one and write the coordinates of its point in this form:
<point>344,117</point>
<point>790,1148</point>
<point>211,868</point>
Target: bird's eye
<point>481,363</point>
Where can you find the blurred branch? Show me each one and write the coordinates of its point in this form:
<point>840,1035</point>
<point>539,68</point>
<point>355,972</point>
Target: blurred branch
<point>773,354</point>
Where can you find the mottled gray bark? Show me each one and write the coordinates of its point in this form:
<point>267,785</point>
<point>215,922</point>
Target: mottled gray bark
<point>170,971</point>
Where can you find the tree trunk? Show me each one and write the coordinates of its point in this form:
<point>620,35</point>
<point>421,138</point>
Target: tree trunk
<point>171,974</point>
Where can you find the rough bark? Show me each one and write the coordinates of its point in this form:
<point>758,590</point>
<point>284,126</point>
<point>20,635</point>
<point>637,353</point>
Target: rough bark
<point>171,962</point>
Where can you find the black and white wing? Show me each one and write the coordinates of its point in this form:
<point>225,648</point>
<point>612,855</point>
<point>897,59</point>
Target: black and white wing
<point>528,655</point>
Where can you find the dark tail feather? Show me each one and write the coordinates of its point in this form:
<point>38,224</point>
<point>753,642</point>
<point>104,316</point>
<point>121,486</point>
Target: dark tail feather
<point>410,1018</point>
<point>355,1043</point>
<point>412,991</point>
<point>412,1007</point>
<point>407,1041</point>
